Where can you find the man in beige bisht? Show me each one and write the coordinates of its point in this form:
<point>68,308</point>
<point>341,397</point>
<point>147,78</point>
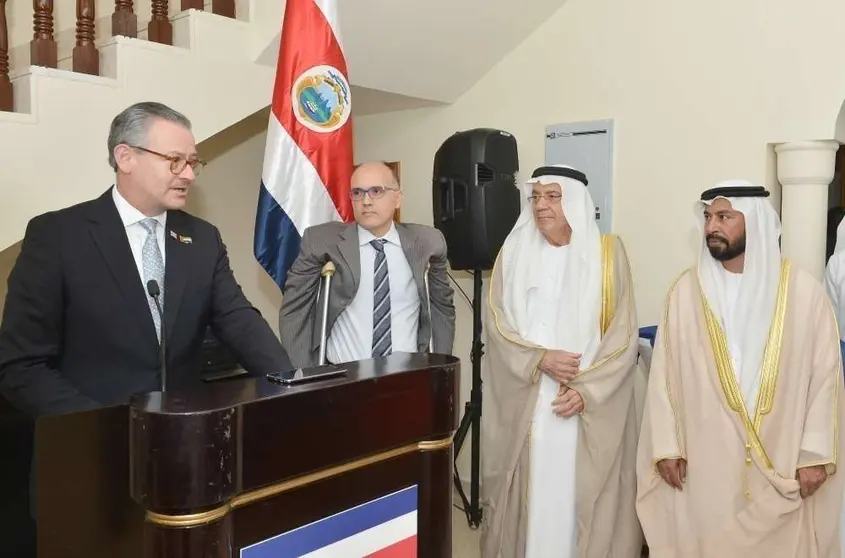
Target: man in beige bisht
<point>738,451</point>
<point>559,432</point>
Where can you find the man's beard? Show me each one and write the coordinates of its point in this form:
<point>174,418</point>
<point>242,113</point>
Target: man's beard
<point>723,250</point>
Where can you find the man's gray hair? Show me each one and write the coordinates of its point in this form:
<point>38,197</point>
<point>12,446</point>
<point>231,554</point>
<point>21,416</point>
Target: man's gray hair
<point>130,126</point>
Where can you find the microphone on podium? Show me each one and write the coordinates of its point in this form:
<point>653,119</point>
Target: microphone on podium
<point>155,292</point>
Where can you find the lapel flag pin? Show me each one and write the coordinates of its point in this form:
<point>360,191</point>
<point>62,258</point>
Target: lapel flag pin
<point>172,234</point>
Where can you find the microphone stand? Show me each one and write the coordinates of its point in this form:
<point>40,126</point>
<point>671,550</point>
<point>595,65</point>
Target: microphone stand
<point>155,293</point>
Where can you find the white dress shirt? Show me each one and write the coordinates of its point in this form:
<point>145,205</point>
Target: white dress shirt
<point>732,284</point>
<point>136,233</point>
<point>351,337</point>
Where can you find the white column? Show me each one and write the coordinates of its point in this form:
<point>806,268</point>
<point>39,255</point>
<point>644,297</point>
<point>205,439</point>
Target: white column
<point>805,169</point>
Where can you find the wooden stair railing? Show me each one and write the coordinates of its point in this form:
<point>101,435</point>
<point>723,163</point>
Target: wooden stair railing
<point>123,20</point>
<point>86,59</point>
<point>225,8</point>
<point>160,30</point>
<point>43,50</point>
<point>6,99</point>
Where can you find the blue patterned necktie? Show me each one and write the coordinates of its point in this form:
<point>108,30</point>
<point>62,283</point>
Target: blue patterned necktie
<point>153,264</point>
<point>382,342</point>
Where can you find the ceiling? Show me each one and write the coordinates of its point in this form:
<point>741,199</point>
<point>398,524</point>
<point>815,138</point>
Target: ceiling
<point>372,101</point>
<point>425,51</point>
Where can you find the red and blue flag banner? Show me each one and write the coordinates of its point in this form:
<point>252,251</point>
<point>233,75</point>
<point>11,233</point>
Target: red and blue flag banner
<point>308,154</point>
<point>383,528</point>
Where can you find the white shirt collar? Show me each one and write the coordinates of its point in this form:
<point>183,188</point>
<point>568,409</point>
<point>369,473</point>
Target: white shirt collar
<point>129,214</point>
<point>365,236</point>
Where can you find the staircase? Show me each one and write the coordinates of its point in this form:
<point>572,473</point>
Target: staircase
<point>67,67</point>
<point>55,111</point>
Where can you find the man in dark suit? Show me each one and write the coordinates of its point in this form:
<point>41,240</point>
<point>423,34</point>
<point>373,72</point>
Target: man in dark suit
<point>390,291</point>
<point>79,328</point>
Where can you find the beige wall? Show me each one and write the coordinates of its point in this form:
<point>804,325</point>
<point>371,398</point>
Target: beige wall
<point>7,261</point>
<point>226,194</point>
<point>698,93</point>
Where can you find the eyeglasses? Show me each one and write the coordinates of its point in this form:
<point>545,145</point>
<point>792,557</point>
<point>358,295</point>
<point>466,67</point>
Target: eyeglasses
<point>375,192</point>
<point>551,197</point>
<point>177,162</point>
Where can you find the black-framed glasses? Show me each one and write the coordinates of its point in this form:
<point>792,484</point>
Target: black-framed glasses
<point>375,192</point>
<point>177,162</point>
<point>551,197</point>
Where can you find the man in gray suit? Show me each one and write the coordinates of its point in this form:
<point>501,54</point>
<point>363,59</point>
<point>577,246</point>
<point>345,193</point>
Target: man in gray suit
<point>378,302</point>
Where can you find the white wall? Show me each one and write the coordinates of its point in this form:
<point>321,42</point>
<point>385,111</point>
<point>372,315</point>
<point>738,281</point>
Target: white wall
<point>226,194</point>
<point>66,115</point>
<point>698,92</point>
<point>7,261</point>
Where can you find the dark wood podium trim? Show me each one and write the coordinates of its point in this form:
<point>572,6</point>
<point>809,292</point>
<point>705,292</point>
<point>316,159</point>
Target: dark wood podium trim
<point>224,466</point>
<point>188,520</point>
<point>210,516</point>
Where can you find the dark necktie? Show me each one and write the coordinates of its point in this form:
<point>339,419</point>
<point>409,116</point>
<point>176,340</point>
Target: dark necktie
<point>382,342</point>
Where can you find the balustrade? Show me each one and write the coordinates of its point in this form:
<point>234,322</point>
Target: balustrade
<point>124,22</point>
<point>43,50</point>
<point>160,29</point>
<point>224,8</point>
<point>86,59</point>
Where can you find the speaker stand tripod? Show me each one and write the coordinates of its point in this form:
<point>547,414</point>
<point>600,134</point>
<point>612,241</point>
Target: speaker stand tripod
<point>472,415</point>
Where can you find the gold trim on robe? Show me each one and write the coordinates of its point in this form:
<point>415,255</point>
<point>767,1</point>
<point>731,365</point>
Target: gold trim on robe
<point>608,290</point>
<point>664,331</point>
<point>608,298</point>
<point>769,370</point>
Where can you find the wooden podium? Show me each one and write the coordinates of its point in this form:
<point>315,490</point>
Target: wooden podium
<point>234,464</point>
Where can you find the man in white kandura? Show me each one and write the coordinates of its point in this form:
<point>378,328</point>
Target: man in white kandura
<point>834,282</point>
<point>559,431</point>
<point>740,434</point>
<point>834,278</point>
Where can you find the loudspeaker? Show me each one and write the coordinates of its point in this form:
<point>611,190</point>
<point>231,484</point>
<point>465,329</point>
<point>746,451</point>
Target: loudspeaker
<point>475,198</point>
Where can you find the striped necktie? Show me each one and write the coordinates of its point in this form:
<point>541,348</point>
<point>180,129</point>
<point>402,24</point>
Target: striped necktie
<point>382,342</point>
<point>153,264</point>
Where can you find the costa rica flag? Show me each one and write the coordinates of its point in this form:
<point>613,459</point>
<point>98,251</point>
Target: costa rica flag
<point>308,154</point>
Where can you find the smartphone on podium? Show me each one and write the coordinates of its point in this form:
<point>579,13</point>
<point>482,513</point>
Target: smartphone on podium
<point>301,376</point>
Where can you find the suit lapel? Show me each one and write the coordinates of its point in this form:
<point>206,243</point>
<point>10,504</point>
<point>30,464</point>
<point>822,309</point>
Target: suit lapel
<point>351,251</point>
<point>109,235</point>
<point>179,251</point>
<point>413,253</point>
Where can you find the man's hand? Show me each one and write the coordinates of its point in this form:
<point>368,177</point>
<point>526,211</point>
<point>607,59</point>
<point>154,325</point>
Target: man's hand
<point>567,403</point>
<point>674,472</point>
<point>810,479</point>
<point>561,365</point>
